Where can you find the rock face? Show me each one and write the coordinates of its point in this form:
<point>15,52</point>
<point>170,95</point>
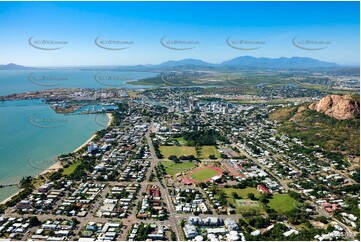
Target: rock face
<point>336,106</point>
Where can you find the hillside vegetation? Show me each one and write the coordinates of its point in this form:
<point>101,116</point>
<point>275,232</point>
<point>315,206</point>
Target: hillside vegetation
<point>316,128</point>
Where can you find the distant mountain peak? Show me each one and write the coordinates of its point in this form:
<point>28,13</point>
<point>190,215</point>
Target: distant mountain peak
<point>240,62</point>
<point>276,63</point>
<point>12,66</point>
<point>188,61</point>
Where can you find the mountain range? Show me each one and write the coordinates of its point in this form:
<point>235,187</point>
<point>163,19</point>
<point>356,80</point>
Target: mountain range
<point>12,66</point>
<point>242,62</point>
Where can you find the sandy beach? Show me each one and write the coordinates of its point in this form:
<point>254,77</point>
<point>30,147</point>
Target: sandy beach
<point>110,117</point>
<point>9,198</point>
<point>52,168</point>
<point>85,143</point>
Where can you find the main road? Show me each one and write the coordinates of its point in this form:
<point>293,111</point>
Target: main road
<point>164,192</point>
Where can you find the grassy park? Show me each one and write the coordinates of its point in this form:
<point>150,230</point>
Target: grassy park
<point>70,169</point>
<point>243,203</point>
<point>241,192</point>
<point>206,151</point>
<point>204,174</point>
<point>180,140</point>
<point>282,203</point>
<point>178,151</point>
<point>173,168</point>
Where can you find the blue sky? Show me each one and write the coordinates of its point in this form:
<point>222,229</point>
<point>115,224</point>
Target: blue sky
<point>145,23</point>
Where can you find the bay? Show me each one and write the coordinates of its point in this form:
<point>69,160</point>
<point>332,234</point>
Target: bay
<point>21,81</point>
<point>32,135</point>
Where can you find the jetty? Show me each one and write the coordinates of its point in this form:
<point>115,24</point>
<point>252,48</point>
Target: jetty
<point>9,185</point>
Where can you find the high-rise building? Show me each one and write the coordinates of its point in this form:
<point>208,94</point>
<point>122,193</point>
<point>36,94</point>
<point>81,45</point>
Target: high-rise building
<point>91,147</point>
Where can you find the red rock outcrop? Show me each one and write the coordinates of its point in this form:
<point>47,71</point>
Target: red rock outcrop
<point>338,107</point>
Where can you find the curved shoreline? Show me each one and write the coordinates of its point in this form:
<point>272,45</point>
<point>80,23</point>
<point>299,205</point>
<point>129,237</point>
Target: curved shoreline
<point>56,166</point>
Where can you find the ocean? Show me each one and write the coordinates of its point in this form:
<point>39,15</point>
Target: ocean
<point>25,81</point>
<point>32,135</point>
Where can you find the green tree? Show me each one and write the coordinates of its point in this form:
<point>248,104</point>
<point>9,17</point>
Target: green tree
<point>251,196</point>
<point>34,221</point>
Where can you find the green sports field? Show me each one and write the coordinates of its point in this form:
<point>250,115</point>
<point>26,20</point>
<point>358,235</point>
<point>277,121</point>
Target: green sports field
<point>173,168</point>
<point>241,204</point>
<point>206,151</point>
<point>282,203</point>
<point>204,174</point>
<point>178,151</point>
<point>241,192</point>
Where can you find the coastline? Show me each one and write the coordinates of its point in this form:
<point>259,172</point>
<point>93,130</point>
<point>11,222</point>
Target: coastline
<point>9,198</point>
<point>56,166</point>
<point>110,117</point>
<point>85,143</point>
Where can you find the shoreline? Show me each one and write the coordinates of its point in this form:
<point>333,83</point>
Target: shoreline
<point>110,117</point>
<point>57,165</point>
<point>9,198</point>
<point>84,144</point>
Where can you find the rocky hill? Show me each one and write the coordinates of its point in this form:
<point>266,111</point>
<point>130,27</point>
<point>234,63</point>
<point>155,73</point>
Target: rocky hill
<point>333,123</point>
<point>338,107</point>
